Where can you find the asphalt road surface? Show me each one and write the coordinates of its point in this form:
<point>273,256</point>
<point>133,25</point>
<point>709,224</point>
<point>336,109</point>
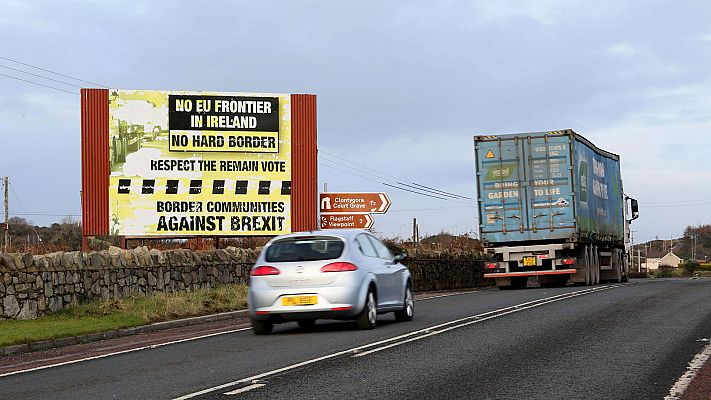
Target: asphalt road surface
<point>629,341</point>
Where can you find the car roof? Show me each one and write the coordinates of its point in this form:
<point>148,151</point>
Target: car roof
<point>342,233</point>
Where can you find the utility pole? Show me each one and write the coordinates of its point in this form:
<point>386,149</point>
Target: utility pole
<point>414,231</point>
<point>7,219</point>
<point>693,249</point>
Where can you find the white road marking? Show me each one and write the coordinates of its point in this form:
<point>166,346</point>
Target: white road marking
<point>153,346</point>
<point>357,350</point>
<point>446,295</point>
<point>245,389</point>
<point>695,365</point>
<point>484,317</point>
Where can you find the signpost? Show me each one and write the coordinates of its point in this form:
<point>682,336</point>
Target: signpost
<point>346,221</point>
<point>374,203</point>
<point>351,210</point>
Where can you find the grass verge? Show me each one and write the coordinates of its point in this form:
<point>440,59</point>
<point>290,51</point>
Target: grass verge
<point>107,315</point>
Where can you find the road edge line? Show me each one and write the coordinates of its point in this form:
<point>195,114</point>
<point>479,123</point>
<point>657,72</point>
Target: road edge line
<point>680,386</point>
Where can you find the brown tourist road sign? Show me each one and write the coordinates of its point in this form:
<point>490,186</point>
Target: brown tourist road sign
<point>374,203</point>
<point>346,221</point>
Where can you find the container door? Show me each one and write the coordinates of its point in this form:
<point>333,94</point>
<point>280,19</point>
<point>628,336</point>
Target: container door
<point>502,202</point>
<point>549,186</point>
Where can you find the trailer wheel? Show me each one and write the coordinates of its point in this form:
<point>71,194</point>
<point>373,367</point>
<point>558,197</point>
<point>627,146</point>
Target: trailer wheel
<point>588,267</point>
<point>617,265</point>
<point>595,266</point>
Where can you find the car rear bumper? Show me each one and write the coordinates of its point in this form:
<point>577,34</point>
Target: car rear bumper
<point>332,302</point>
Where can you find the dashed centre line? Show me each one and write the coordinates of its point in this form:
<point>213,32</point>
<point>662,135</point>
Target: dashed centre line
<point>405,338</point>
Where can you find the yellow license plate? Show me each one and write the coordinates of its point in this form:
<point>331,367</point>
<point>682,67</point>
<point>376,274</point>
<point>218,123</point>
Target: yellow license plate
<point>299,300</point>
<point>529,261</point>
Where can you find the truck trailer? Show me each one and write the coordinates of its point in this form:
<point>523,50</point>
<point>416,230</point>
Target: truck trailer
<point>552,206</point>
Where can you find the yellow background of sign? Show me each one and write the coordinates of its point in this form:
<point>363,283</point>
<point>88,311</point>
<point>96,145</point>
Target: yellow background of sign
<point>138,133</point>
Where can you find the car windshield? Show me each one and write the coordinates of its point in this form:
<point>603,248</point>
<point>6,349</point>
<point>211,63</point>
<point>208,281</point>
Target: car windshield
<point>304,249</point>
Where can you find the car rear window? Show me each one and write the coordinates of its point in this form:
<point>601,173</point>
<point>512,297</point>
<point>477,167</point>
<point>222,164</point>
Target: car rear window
<point>304,249</point>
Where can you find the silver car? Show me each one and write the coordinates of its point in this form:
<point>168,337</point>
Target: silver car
<point>334,274</point>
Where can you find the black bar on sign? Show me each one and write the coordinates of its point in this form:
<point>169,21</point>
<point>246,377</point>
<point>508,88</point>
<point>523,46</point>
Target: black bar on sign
<point>218,186</point>
<point>195,186</point>
<point>286,187</point>
<point>124,186</point>
<point>172,186</point>
<point>241,187</point>
<point>264,187</point>
<point>148,186</point>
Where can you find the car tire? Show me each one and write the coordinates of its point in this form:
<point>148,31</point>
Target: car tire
<point>306,323</point>
<point>408,309</point>
<point>369,316</point>
<point>261,327</point>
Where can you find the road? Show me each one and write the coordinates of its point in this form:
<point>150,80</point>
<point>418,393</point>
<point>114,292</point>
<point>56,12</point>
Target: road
<point>612,342</point>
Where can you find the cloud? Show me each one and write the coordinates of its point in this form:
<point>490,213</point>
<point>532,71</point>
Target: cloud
<point>624,50</point>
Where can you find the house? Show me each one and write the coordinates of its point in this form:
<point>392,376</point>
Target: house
<point>670,260</point>
<point>651,263</point>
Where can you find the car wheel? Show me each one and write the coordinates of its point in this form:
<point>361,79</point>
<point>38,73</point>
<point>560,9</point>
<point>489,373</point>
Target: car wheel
<point>369,316</point>
<point>306,323</point>
<point>408,309</point>
<point>261,327</point>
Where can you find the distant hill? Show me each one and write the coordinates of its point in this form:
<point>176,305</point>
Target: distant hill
<point>683,246</point>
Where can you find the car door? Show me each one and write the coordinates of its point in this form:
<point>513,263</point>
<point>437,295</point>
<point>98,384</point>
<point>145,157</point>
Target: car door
<point>374,264</point>
<point>393,279</point>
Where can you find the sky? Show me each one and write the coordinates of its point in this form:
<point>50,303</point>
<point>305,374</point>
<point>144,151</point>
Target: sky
<point>402,88</point>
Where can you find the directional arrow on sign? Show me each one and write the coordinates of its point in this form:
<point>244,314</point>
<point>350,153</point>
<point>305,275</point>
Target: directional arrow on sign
<point>376,203</point>
<point>346,221</point>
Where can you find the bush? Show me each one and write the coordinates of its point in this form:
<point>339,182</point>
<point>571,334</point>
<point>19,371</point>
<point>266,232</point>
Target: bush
<point>690,266</point>
<point>670,272</point>
<point>704,267</point>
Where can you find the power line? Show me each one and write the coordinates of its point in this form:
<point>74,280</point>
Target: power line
<point>369,177</point>
<point>382,183</point>
<point>53,72</point>
<point>396,179</point>
<point>40,84</point>
<point>39,76</point>
<point>419,186</point>
<point>412,191</point>
<point>369,174</point>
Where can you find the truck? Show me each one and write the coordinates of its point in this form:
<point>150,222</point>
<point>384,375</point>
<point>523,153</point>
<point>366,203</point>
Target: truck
<point>552,207</point>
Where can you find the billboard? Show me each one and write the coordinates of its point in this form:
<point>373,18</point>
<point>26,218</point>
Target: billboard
<point>199,163</point>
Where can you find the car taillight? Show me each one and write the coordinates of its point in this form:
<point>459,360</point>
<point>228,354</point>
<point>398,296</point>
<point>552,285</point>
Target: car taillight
<point>264,270</point>
<point>338,267</point>
<point>492,265</point>
<point>568,261</point>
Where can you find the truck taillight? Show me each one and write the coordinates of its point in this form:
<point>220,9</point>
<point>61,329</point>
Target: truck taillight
<point>492,265</point>
<point>568,261</point>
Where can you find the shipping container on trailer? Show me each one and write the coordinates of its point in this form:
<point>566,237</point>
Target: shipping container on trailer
<point>551,205</point>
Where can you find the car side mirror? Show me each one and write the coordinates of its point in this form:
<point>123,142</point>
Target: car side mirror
<point>400,256</point>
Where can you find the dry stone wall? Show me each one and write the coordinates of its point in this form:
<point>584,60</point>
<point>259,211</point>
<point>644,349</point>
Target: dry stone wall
<point>35,285</point>
<point>443,270</point>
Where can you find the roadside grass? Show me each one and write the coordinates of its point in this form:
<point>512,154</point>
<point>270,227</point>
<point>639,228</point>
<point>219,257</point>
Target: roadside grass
<point>107,315</point>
